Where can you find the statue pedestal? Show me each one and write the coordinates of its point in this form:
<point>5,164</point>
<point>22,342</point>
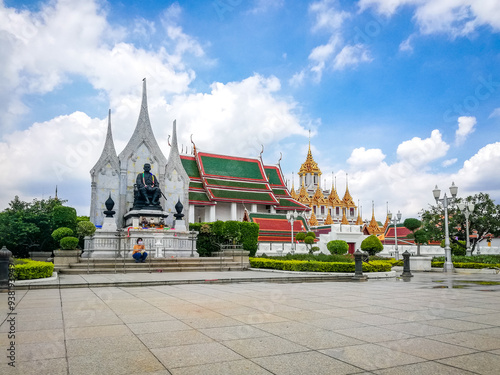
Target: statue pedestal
<point>180,225</point>
<point>132,217</point>
<point>164,243</point>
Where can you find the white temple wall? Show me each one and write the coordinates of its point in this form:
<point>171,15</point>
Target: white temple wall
<point>106,181</point>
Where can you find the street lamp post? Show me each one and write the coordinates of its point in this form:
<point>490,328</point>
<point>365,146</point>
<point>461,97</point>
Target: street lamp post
<point>291,217</point>
<point>448,264</point>
<point>467,209</point>
<point>396,220</point>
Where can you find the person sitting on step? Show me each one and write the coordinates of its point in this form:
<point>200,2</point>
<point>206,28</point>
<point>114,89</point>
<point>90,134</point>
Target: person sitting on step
<point>139,253</point>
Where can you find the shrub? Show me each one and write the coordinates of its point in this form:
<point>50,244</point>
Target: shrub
<point>457,247</point>
<point>250,237</point>
<point>439,264</point>
<point>60,233</point>
<point>337,247</point>
<point>69,243</point>
<point>85,228</point>
<point>372,245</point>
<point>315,248</point>
<point>31,269</point>
<point>300,236</point>
<point>313,266</point>
<point>231,230</point>
<point>311,234</point>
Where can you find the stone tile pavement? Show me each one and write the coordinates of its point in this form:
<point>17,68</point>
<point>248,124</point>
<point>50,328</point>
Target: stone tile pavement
<point>432,324</point>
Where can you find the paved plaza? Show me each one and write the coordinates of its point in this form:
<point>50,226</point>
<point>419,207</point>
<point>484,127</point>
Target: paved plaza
<point>432,324</point>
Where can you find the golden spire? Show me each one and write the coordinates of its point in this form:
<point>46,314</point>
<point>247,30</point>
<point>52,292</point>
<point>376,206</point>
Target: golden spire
<point>373,227</point>
<point>344,218</point>
<point>313,222</point>
<point>359,221</point>
<point>303,196</point>
<point>309,166</point>
<point>293,193</point>
<point>333,198</point>
<point>318,197</point>
<point>348,202</point>
<point>328,220</point>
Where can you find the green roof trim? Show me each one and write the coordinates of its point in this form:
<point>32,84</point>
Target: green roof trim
<point>242,195</point>
<point>280,192</point>
<point>235,168</point>
<point>190,167</point>
<point>272,175</point>
<point>198,196</point>
<point>195,185</point>
<point>290,203</point>
<point>237,184</point>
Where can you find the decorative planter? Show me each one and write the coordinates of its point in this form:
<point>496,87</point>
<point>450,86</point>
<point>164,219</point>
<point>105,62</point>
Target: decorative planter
<point>62,258</point>
<point>41,256</point>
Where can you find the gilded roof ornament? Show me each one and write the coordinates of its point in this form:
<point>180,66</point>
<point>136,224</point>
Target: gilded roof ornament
<point>313,222</point>
<point>328,220</point>
<point>309,166</point>
<point>344,218</point>
<point>348,201</point>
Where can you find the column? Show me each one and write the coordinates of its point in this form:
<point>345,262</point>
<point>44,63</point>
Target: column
<point>191,213</point>
<point>253,208</point>
<point>233,211</point>
<point>211,214</point>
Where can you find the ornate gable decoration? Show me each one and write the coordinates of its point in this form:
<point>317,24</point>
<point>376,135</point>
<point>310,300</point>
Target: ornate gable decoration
<point>334,199</point>
<point>313,222</point>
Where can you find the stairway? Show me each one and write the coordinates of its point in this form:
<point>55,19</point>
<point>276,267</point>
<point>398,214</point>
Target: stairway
<point>153,265</point>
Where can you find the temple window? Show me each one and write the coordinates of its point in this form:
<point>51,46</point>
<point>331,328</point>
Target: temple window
<point>337,211</point>
<point>322,210</point>
<point>352,211</point>
<point>314,209</point>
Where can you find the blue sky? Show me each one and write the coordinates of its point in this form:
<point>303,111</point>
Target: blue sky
<point>399,94</point>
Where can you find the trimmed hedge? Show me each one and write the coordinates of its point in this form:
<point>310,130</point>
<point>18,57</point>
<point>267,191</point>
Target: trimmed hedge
<point>69,243</point>
<point>313,266</point>
<point>220,232</point>
<point>32,269</point>
<point>466,265</point>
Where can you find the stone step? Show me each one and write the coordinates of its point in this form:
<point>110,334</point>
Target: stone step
<point>152,264</point>
<point>163,260</point>
<point>147,269</point>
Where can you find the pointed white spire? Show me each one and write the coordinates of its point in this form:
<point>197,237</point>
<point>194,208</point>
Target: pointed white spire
<point>108,152</point>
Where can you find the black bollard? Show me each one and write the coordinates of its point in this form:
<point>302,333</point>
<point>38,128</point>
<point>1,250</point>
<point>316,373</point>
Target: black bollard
<point>358,265</point>
<point>406,265</point>
<point>5,255</point>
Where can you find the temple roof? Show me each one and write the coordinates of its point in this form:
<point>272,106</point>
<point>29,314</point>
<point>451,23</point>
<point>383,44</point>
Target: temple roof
<point>334,198</point>
<point>309,166</point>
<point>276,227</point>
<point>225,178</point>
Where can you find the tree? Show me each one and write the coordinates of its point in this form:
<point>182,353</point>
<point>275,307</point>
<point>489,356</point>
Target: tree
<point>412,224</point>
<point>372,245</point>
<point>484,219</point>
<point>27,226</point>
<point>421,237</point>
<point>300,236</point>
<point>337,247</point>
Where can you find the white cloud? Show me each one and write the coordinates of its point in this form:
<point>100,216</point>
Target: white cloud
<point>362,158</point>
<point>41,50</point>
<point>495,113</point>
<point>406,46</point>
<point>479,172</point>
<point>351,56</point>
<point>335,54</point>
<point>457,18</point>
<point>418,152</point>
<point>449,162</point>
<point>327,16</point>
<point>466,126</point>
<point>247,113</point>
<point>263,6</point>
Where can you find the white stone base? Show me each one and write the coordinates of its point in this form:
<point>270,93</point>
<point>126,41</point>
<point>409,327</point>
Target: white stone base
<point>420,263</point>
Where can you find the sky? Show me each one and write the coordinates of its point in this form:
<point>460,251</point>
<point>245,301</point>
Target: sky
<point>395,96</point>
